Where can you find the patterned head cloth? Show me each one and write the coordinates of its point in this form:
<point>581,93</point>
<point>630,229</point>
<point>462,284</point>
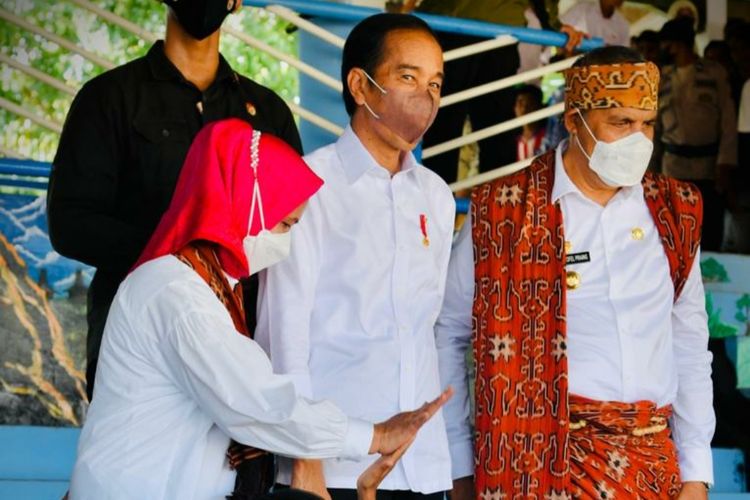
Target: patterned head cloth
<point>602,86</point>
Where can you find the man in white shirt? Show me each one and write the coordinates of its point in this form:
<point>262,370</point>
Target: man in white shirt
<point>584,295</point>
<point>350,315</point>
<point>600,19</point>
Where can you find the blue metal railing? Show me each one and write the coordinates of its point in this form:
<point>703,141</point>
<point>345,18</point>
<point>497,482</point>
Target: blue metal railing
<point>342,12</point>
<point>35,175</point>
<point>24,173</point>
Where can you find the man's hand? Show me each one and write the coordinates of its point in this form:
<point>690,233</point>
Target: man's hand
<point>693,490</point>
<point>370,479</point>
<point>463,489</point>
<point>308,475</point>
<point>400,429</point>
<point>574,38</point>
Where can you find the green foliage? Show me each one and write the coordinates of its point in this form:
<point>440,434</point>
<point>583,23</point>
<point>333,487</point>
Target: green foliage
<point>716,328</point>
<point>743,363</point>
<point>713,271</point>
<point>743,311</point>
<point>115,44</point>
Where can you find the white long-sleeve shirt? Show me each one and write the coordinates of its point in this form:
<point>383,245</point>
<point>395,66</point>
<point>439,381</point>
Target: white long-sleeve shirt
<point>350,314</point>
<point>627,340</point>
<point>587,16</point>
<point>175,381</point>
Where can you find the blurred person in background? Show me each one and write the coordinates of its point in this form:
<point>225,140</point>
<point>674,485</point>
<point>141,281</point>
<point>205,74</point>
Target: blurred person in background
<point>720,52</point>
<point>529,142</point>
<point>697,125</point>
<point>601,19</point>
<point>647,44</point>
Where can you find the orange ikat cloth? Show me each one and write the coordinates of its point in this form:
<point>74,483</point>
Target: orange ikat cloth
<point>621,450</point>
<point>626,85</point>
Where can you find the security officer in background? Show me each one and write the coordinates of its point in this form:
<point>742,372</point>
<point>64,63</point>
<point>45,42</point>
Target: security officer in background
<point>697,125</point>
<point>125,139</point>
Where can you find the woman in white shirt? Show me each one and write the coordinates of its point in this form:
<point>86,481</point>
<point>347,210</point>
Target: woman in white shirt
<point>179,375</point>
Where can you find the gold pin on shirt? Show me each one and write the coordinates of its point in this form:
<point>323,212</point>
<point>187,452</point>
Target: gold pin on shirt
<point>637,233</point>
<point>568,246</point>
<point>572,280</point>
<point>250,107</point>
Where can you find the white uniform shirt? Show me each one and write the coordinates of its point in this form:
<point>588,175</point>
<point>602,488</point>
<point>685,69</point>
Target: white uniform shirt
<point>175,380</point>
<point>626,339</point>
<point>350,314</point>
<point>587,16</point>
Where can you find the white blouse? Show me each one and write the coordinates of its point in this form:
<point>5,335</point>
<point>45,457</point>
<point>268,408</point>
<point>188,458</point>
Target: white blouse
<point>175,382</point>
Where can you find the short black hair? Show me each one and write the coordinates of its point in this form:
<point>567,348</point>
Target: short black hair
<point>678,30</point>
<point>532,90</point>
<point>648,36</point>
<point>612,54</point>
<point>364,47</point>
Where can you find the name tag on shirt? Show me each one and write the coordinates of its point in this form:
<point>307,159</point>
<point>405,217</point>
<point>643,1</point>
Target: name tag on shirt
<point>577,258</point>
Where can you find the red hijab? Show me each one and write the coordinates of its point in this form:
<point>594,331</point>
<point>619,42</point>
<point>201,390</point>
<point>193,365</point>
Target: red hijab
<point>212,199</point>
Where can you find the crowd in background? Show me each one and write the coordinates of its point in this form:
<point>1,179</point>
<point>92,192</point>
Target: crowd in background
<point>700,129</point>
<point>701,121</point>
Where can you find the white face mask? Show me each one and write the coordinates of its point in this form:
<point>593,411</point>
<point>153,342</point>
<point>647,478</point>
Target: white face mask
<point>267,248</point>
<point>620,163</point>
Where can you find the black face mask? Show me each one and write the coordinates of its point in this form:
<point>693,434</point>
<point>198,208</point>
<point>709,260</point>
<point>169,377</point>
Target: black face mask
<point>200,18</point>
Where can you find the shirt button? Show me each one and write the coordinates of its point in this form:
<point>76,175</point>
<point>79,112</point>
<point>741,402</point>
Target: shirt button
<point>165,133</point>
<point>637,233</point>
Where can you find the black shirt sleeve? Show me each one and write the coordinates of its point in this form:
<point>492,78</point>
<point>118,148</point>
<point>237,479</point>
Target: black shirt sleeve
<point>83,186</point>
<point>288,131</point>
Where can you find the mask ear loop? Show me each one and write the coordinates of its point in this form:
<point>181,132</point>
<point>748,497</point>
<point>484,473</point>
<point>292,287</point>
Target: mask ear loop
<point>254,160</point>
<point>375,83</point>
<point>578,141</point>
<point>586,125</point>
<point>381,89</point>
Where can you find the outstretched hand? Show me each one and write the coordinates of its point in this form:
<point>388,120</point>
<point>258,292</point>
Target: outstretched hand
<point>400,429</point>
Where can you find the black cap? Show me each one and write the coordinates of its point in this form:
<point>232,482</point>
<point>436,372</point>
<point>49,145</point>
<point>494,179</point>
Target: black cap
<point>678,30</point>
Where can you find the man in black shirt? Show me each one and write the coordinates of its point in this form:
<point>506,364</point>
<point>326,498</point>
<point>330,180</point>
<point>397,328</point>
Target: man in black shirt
<point>124,141</point>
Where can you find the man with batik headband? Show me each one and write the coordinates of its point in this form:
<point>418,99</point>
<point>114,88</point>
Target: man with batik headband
<point>589,327</point>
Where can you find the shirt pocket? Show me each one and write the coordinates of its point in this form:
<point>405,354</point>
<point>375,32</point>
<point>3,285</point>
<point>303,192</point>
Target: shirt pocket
<point>161,145</point>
